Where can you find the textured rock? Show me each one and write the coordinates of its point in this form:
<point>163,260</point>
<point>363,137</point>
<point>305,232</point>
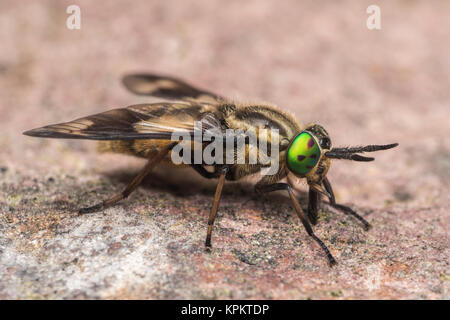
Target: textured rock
<point>318,61</point>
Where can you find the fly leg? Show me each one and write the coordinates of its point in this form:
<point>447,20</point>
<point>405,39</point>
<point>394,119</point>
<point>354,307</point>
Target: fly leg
<point>205,173</point>
<point>200,168</point>
<point>300,213</point>
<point>343,208</point>
<point>215,206</point>
<point>131,186</point>
<point>312,206</point>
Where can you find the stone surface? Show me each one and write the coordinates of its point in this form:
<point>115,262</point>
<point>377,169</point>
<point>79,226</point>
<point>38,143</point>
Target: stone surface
<point>319,61</point>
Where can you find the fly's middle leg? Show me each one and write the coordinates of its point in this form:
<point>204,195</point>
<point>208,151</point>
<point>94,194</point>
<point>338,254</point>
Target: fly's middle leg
<point>215,206</point>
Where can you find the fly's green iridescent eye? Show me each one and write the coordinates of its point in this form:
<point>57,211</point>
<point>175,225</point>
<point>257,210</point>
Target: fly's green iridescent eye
<point>303,154</point>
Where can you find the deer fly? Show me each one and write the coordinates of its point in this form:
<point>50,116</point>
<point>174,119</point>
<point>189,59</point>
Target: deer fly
<point>145,130</point>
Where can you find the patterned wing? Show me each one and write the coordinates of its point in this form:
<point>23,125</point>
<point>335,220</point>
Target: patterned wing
<point>142,121</point>
<point>166,87</point>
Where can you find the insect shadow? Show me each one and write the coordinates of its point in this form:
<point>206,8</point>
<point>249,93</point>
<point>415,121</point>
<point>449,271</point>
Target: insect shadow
<point>184,183</point>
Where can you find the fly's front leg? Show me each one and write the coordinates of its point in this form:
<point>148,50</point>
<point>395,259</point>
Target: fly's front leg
<point>131,186</point>
<point>341,207</point>
<point>215,206</point>
<point>314,199</point>
<point>300,214</point>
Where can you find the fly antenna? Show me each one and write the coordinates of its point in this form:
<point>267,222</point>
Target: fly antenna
<point>350,153</point>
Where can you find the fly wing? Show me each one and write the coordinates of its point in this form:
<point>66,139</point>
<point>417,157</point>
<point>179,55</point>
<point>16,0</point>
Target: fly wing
<point>166,87</point>
<point>142,121</point>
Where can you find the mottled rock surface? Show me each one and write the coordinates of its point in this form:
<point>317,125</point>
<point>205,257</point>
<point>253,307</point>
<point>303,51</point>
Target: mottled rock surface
<point>316,60</point>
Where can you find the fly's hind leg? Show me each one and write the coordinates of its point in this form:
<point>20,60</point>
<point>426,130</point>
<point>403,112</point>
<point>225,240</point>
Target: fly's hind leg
<point>300,214</point>
<point>131,186</point>
<point>343,208</point>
